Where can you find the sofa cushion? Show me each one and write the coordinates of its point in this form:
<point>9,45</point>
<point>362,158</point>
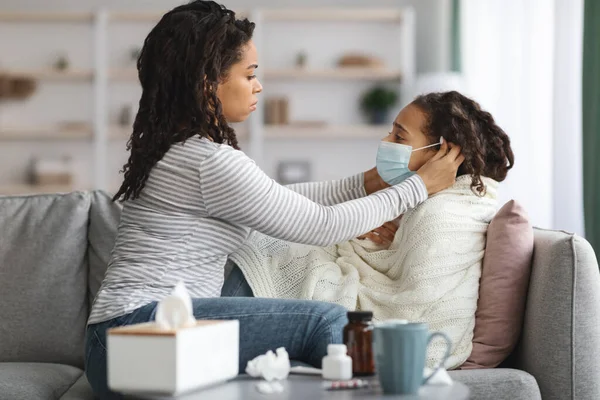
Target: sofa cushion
<point>102,233</point>
<point>503,287</point>
<point>498,384</point>
<point>81,390</point>
<point>36,380</point>
<point>43,277</point>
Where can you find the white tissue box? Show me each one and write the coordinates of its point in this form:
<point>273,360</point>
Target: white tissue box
<point>143,358</point>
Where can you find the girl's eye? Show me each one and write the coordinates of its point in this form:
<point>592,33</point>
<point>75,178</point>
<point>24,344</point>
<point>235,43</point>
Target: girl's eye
<point>251,77</point>
<point>398,137</point>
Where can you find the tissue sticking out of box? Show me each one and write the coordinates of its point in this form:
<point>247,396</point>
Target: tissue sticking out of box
<point>175,311</point>
<point>270,366</point>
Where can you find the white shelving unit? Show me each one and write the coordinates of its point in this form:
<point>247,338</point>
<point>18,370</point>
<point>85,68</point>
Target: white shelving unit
<point>100,132</point>
<point>399,74</point>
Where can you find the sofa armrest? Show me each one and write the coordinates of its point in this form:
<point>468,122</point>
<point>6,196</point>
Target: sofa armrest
<point>560,343</point>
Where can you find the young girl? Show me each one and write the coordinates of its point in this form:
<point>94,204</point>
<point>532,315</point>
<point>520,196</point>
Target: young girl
<point>190,196</point>
<point>429,270</point>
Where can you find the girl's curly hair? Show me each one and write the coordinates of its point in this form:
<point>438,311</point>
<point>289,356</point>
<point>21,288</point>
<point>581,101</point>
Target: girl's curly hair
<point>183,59</point>
<point>460,120</point>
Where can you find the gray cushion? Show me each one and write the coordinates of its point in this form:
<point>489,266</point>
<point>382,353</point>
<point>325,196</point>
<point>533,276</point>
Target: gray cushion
<point>561,335</point>
<point>81,390</point>
<point>499,384</point>
<point>104,221</point>
<point>29,381</point>
<point>43,278</point>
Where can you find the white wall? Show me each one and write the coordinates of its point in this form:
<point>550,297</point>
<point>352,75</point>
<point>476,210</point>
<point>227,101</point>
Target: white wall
<point>30,45</point>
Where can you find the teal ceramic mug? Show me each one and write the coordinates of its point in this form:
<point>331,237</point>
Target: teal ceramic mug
<point>400,351</point>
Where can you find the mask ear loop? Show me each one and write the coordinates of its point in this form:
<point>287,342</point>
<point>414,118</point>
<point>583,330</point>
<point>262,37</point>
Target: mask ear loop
<point>431,145</point>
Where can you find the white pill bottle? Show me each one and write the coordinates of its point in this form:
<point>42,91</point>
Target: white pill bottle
<point>337,365</point>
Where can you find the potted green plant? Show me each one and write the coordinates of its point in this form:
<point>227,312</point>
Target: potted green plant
<point>377,102</point>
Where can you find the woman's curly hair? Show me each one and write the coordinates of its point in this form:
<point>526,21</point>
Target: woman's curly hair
<point>460,120</point>
<point>184,57</point>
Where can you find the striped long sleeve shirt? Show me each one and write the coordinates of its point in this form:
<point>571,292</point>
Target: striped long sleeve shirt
<point>198,206</point>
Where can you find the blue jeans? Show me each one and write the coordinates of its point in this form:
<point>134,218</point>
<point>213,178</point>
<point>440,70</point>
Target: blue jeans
<point>236,284</point>
<point>304,328</point>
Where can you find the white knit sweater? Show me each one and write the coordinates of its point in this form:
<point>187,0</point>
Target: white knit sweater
<point>430,273</point>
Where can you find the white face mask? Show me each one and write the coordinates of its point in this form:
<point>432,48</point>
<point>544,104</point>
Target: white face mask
<point>392,161</point>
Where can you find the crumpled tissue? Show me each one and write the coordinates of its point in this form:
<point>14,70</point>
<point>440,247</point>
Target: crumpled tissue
<point>271,367</point>
<point>440,378</point>
<point>175,311</point>
<point>269,387</point>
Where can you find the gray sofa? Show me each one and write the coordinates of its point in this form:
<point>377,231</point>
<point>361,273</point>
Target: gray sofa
<point>53,254</point>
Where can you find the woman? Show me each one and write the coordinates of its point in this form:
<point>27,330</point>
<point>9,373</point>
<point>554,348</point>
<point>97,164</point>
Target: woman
<point>191,197</point>
<point>429,269</point>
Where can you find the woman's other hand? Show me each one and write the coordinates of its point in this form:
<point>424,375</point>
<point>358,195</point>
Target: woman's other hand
<point>439,172</point>
<point>373,182</point>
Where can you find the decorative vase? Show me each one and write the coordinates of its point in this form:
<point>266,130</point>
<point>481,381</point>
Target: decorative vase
<point>62,63</point>
<point>301,59</point>
<point>378,117</point>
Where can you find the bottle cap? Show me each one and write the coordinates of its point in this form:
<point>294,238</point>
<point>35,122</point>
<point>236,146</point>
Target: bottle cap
<point>336,349</point>
<point>360,315</point>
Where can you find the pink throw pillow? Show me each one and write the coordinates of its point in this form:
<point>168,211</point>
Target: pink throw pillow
<point>503,287</point>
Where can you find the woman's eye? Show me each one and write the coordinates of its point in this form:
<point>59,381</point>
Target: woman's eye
<point>251,77</point>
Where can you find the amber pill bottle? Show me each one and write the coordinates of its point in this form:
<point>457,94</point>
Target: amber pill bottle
<point>358,336</point>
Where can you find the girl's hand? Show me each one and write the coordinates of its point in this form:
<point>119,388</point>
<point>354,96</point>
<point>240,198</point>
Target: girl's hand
<point>383,235</point>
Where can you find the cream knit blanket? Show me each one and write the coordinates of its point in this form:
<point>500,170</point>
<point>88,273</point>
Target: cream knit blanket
<point>430,273</point>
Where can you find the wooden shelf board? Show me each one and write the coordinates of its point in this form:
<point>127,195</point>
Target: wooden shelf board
<point>52,75</point>
<point>148,16</point>
<point>325,132</point>
<point>293,131</point>
<point>117,132</point>
<point>363,73</point>
<point>45,133</point>
<point>335,73</point>
<point>334,14</point>
<point>46,17</point>
<point>24,189</point>
<point>132,16</point>
<point>123,74</point>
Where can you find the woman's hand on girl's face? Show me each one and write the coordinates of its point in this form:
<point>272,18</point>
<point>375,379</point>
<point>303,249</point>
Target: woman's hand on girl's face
<point>383,235</point>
